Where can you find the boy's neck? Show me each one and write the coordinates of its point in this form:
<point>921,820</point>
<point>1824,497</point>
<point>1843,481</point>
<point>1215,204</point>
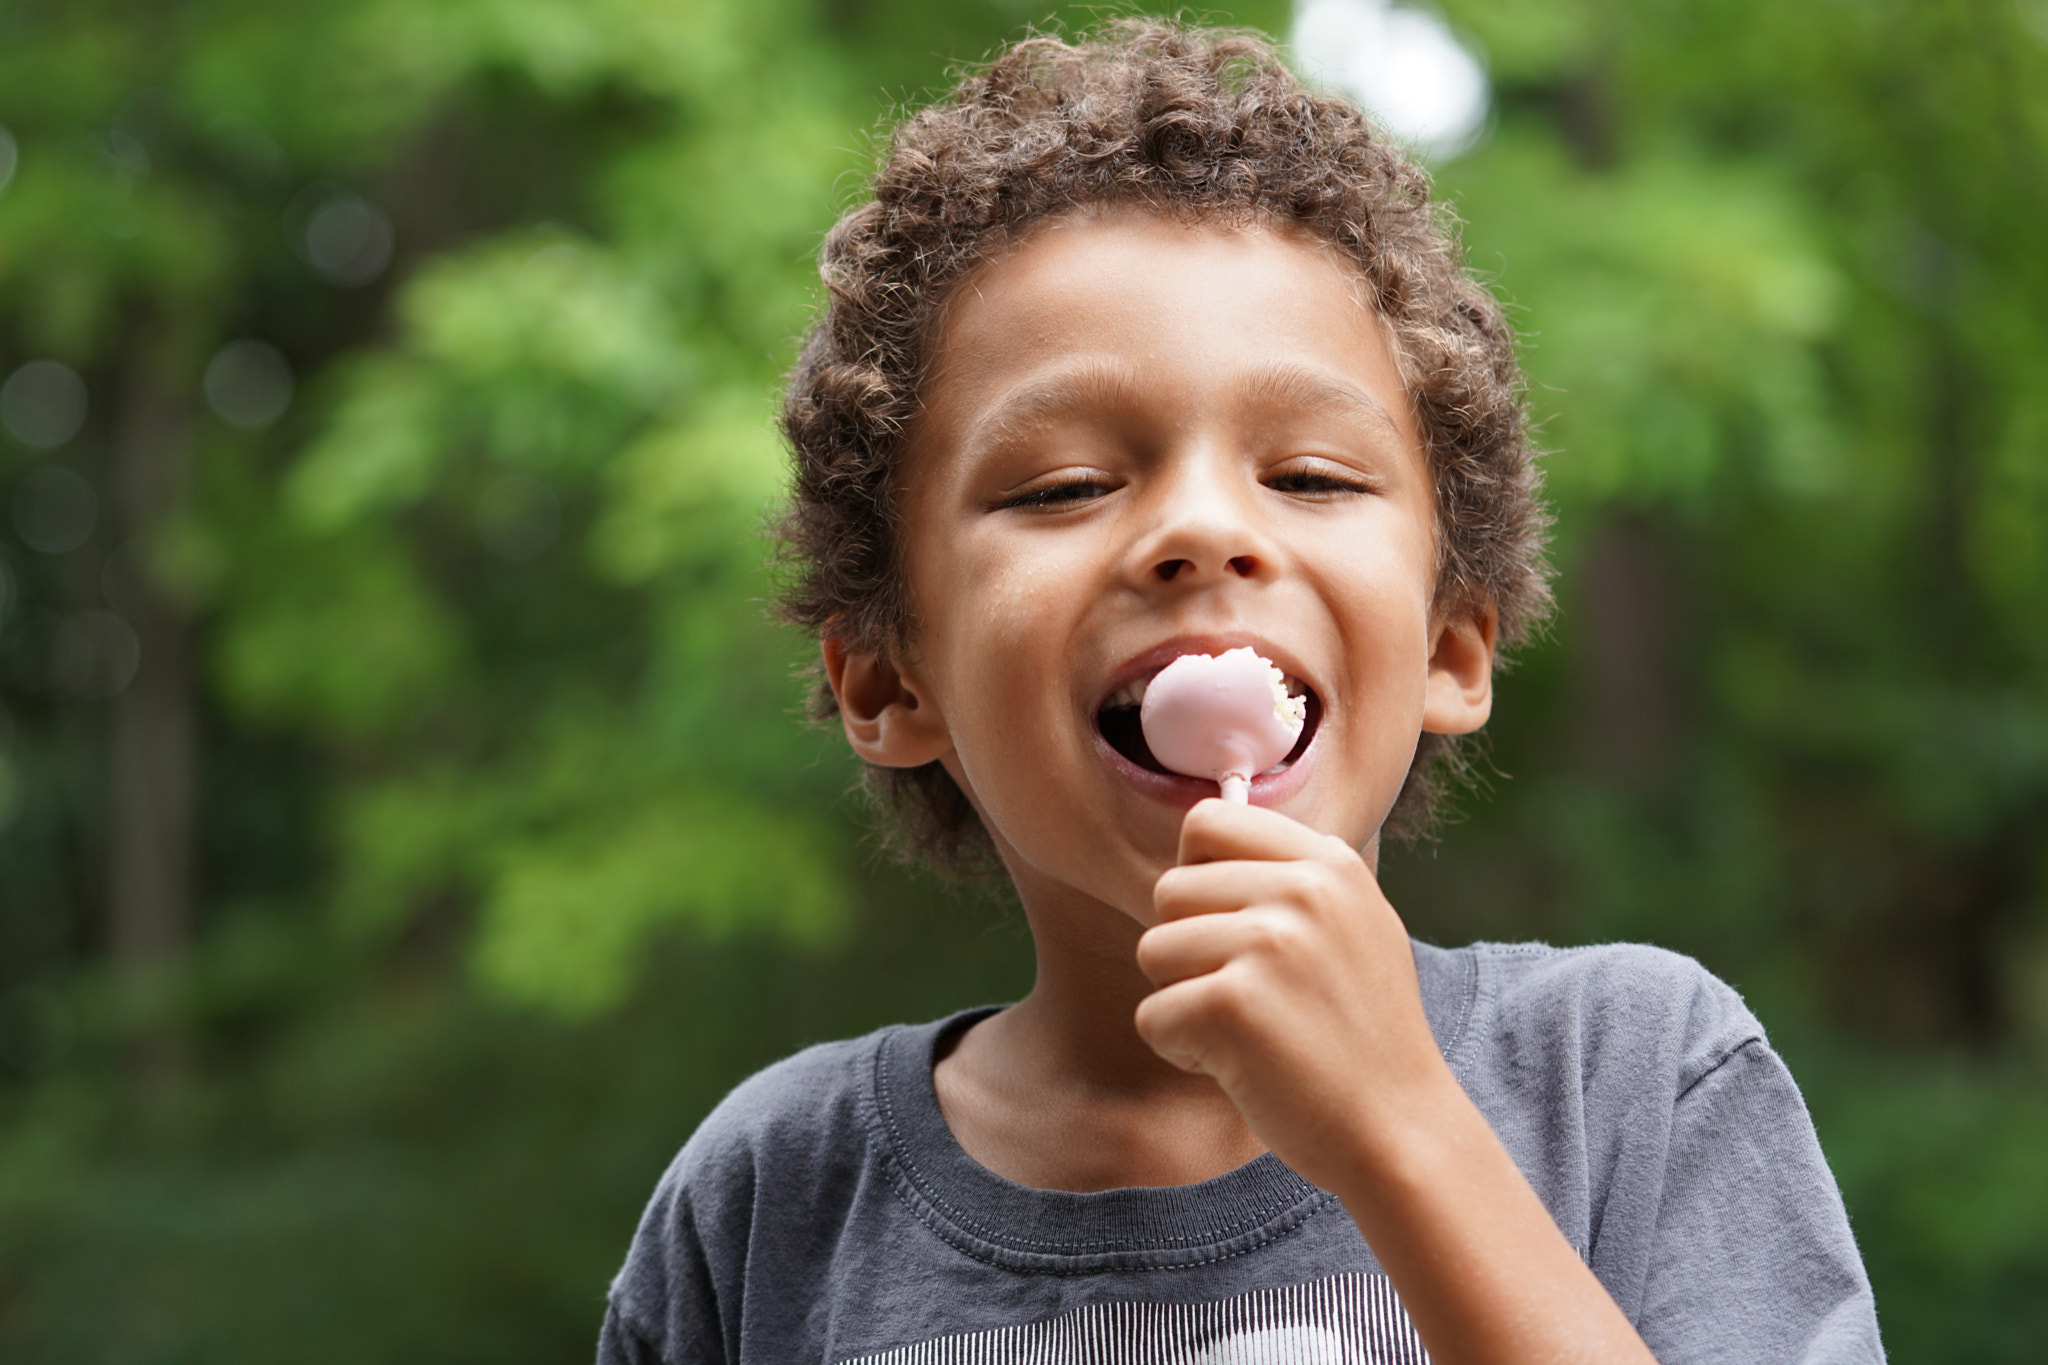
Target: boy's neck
<point>1060,1092</point>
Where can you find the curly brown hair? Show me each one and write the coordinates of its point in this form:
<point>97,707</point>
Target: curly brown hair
<point>1189,122</point>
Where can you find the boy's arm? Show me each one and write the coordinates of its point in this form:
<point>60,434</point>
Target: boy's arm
<point>1302,1003</point>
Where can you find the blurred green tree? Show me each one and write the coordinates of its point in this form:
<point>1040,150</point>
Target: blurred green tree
<point>386,429</point>
<point>492,560</point>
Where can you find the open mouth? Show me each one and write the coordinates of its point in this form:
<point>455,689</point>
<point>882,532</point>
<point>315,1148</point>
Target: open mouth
<point>1118,721</point>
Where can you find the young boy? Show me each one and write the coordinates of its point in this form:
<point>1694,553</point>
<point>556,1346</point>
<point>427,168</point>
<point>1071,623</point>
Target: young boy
<point>1142,349</point>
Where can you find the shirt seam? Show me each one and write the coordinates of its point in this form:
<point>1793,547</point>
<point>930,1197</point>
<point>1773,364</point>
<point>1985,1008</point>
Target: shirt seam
<point>1747,1042</point>
<point>1468,1010</point>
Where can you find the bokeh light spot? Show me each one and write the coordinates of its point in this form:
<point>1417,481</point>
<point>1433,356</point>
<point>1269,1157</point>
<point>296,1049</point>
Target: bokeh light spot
<point>43,404</point>
<point>1403,65</point>
<point>55,510</point>
<point>95,655</point>
<point>125,158</point>
<point>518,517</point>
<point>249,384</point>
<point>343,236</point>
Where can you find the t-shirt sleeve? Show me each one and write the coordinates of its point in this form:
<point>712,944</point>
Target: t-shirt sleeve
<point>665,1302</point>
<point>664,1308</point>
<point>622,1341</point>
<point>1753,1260</point>
<point>737,1221</point>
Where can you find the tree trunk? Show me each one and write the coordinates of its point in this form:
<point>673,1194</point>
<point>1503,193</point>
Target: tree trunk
<point>152,742</point>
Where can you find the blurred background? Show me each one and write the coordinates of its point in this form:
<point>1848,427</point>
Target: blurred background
<point>405,833</point>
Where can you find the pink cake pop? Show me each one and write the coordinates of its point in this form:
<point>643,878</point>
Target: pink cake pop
<point>1225,717</point>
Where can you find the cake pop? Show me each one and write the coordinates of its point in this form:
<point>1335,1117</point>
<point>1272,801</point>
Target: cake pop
<point>1225,717</point>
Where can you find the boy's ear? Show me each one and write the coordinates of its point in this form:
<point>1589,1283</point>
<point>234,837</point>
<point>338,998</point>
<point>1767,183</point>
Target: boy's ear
<point>1460,694</point>
<point>889,719</point>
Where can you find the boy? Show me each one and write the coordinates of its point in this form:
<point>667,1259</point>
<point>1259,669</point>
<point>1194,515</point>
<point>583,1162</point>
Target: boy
<point>1141,349</point>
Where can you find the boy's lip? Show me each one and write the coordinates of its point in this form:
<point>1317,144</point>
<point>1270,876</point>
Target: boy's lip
<point>1267,789</point>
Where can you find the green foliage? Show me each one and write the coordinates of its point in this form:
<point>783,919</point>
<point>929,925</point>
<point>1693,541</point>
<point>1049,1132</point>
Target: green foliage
<point>1599,264</point>
<point>1779,329</point>
<point>511,852</point>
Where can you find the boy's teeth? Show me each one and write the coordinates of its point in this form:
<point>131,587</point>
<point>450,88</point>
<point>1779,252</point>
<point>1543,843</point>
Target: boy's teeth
<point>1133,693</point>
<point>1130,694</point>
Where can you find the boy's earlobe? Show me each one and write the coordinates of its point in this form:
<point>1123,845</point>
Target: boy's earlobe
<point>887,719</point>
<point>1460,695</point>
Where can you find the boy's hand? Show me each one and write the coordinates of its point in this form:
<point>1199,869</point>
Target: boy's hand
<point>1286,976</point>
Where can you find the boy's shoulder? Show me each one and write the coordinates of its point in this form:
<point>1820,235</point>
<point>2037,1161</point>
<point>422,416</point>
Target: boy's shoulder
<point>810,1117</point>
<point>786,1107</point>
<point>1624,1003</point>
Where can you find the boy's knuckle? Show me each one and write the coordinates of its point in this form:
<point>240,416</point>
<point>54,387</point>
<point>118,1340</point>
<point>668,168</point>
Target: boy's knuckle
<point>1316,886</point>
<point>1230,995</point>
<point>1273,935</point>
<point>1293,937</point>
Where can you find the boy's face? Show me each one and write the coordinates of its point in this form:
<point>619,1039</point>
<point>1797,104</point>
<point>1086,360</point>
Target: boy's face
<point>1142,439</point>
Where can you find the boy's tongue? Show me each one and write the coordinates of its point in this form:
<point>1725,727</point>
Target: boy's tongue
<point>1226,718</point>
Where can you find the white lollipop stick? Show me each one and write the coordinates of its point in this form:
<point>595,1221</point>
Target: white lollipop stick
<point>1225,717</point>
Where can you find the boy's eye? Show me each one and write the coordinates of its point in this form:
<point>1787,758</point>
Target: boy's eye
<point>1077,486</point>
<point>1319,478</point>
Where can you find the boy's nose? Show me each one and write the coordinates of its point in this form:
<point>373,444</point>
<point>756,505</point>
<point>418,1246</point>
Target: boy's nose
<point>1202,532</point>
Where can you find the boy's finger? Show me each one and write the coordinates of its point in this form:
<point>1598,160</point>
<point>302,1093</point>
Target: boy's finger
<point>1199,946</point>
<point>1220,887</point>
<point>1215,830</point>
<point>1178,1022</point>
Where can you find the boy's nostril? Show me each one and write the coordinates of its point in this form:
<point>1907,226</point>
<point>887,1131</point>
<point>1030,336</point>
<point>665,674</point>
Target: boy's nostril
<point>1244,566</point>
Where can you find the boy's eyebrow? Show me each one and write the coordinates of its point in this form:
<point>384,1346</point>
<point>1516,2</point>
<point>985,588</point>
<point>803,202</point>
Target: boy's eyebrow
<point>1030,407</point>
<point>1297,387</point>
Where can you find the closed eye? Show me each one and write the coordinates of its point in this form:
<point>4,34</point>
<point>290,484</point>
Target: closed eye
<point>1320,479</point>
<point>1060,490</point>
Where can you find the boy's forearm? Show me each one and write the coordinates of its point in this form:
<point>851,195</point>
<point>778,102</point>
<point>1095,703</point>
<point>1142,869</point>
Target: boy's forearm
<point>1483,1271</point>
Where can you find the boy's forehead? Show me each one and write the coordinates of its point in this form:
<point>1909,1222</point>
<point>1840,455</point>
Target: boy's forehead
<point>1094,306</point>
<point>1050,254</point>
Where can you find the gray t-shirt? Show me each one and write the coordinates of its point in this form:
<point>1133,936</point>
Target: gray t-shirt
<point>824,1212</point>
